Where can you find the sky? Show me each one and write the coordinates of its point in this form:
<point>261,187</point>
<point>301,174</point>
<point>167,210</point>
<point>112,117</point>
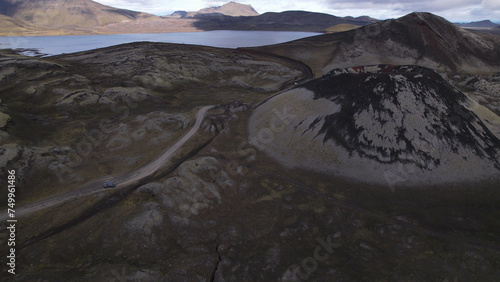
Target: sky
<point>453,10</point>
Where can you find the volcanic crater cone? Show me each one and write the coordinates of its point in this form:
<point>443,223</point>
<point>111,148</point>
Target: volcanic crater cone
<point>381,124</point>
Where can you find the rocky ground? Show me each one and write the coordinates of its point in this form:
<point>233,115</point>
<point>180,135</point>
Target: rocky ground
<point>71,118</point>
<point>232,213</point>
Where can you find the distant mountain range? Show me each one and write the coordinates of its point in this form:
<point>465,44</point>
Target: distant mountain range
<point>479,24</point>
<point>285,21</point>
<point>234,16</point>
<point>63,17</point>
<point>68,17</point>
<point>230,9</point>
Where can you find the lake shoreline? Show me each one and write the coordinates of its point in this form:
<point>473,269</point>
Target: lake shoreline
<point>38,34</point>
<point>56,45</point>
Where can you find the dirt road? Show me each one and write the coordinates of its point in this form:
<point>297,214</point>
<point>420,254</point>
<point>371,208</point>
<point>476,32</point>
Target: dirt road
<point>122,181</point>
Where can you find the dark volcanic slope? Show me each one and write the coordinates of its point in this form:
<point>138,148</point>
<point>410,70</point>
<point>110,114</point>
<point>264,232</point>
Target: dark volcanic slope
<point>417,39</point>
<point>66,13</point>
<point>373,123</point>
<point>288,21</point>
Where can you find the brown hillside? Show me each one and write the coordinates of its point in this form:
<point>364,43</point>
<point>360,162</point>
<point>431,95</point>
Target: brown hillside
<point>231,9</point>
<point>67,13</point>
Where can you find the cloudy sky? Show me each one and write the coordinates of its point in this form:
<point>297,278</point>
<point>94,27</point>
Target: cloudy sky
<point>453,10</point>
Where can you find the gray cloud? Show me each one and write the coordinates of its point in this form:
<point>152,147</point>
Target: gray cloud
<point>453,10</point>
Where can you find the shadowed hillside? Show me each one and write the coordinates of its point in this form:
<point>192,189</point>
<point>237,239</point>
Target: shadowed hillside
<point>419,39</point>
<point>285,21</point>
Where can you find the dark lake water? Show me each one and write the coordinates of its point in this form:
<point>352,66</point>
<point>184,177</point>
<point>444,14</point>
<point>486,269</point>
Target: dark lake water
<point>54,45</point>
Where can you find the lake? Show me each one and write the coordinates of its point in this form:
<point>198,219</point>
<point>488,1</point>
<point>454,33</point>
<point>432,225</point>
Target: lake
<point>55,45</point>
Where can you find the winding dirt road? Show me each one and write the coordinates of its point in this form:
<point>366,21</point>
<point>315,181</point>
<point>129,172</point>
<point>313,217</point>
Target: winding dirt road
<point>123,181</point>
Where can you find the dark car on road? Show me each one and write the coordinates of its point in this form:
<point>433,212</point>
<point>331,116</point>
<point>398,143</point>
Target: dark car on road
<point>109,184</point>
